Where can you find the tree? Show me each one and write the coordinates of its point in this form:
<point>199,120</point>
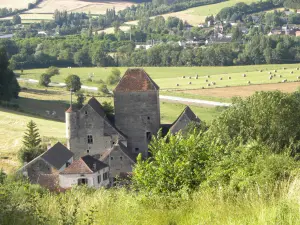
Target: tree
<point>114,77</point>
<point>73,82</point>
<point>108,108</point>
<point>16,19</point>
<point>2,176</point>
<point>52,70</point>
<point>80,99</point>
<point>103,88</point>
<point>9,87</point>
<point>176,163</point>
<point>45,79</point>
<point>271,118</point>
<point>31,143</point>
<point>292,4</point>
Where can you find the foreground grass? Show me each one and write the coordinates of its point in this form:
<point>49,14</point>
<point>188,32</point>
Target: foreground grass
<point>118,206</point>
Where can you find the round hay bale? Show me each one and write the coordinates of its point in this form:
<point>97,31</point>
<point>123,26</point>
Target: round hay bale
<point>221,78</point>
<point>208,85</point>
<point>190,77</point>
<point>298,77</point>
<point>280,76</point>
<point>208,76</point>
<point>202,87</point>
<point>244,75</point>
<point>283,68</point>
<point>190,82</point>
<point>275,71</point>
<point>297,68</point>
<point>270,72</point>
<point>270,77</point>
<point>260,71</point>
<point>292,72</point>
<point>177,85</point>
<point>183,76</point>
<point>206,80</point>
<point>229,78</point>
<point>249,82</point>
<point>196,78</point>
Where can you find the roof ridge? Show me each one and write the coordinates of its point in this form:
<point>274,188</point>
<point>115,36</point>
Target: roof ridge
<point>86,164</point>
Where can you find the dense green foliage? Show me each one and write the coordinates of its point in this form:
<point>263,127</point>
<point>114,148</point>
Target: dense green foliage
<point>73,83</point>
<point>9,87</point>
<point>292,4</point>
<point>80,98</point>
<point>31,143</point>
<point>114,77</point>
<point>255,142</point>
<point>240,10</point>
<point>45,79</point>
<point>52,70</point>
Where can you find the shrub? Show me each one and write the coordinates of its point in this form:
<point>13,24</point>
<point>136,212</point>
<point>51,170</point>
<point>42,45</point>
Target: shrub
<point>114,77</point>
<point>45,79</point>
<point>73,82</point>
<point>102,88</point>
<point>52,70</point>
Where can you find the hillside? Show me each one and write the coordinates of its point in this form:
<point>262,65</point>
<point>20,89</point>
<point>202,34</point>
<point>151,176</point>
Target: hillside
<point>15,4</point>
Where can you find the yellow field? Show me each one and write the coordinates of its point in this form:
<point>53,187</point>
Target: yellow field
<point>15,4</point>
<point>93,6</point>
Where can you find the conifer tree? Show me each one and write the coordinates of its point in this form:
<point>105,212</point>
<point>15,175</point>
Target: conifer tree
<point>31,138</point>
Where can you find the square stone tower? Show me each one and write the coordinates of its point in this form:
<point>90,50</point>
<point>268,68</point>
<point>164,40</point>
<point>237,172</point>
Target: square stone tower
<point>137,109</point>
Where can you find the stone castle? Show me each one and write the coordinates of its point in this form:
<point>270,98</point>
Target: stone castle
<point>104,146</point>
<point>117,141</point>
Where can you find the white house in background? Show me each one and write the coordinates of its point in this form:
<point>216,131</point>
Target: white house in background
<point>85,171</point>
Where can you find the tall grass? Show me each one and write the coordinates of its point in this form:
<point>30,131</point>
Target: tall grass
<point>279,205</point>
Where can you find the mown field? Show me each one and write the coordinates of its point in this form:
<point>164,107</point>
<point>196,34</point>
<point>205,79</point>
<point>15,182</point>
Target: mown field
<point>233,82</point>
<point>15,4</point>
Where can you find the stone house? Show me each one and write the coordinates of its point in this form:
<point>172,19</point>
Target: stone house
<point>118,140</point>
<point>54,160</point>
<point>85,171</point>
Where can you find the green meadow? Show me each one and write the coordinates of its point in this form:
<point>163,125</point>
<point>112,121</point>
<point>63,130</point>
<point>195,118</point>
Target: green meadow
<point>169,77</point>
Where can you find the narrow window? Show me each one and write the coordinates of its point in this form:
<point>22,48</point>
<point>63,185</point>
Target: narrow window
<point>88,151</point>
<point>99,179</point>
<point>105,176</point>
<point>137,149</point>
<point>111,158</point>
<point>121,158</point>
<point>90,139</point>
<point>148,117</point>
<point>148,136</point>
<point>85,113</point>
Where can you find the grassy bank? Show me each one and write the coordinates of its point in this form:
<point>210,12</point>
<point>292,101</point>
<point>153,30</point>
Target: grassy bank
<point>108,207</point>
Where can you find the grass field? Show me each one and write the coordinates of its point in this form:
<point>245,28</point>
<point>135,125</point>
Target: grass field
<point>12,127</point>
<point>15,4</point>
<point>95,7</point>
<point>168,78</point>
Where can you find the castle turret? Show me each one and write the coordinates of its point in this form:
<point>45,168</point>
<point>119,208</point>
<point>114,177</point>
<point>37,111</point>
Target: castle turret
<point>71,126</point>
<point>137,109</point>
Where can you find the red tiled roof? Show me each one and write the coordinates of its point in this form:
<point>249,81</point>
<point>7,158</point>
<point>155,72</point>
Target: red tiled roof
<point>136,80</point>
<point>69,110</point>
<point>77,167</point>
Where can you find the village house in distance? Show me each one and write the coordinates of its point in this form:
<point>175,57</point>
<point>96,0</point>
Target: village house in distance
<point>100,148</point>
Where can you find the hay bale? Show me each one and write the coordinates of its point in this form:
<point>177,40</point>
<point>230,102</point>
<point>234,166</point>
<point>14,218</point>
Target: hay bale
<point>196,78</point>
<point>206,80</point>
<point>221,78</point>
<point>190,82</point>
<point>292,72</point>
<point>202,87</point>
<point>190,77</point>
<point>283,68</point>
<point>270,77</point>
<point>208,76</point>
<point>229,78</point>
<point>177,85</point>
<point>260,71</point>
<point>249,82</point>
<point>183,76</point>
<point>275,71</point>
<point>297,68</point>
<point>208,85</point>
<point>298,77</point>
<point>270,72</point>
<point>244,75</point>
<point>280,76</point>
<point>285,80</point>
